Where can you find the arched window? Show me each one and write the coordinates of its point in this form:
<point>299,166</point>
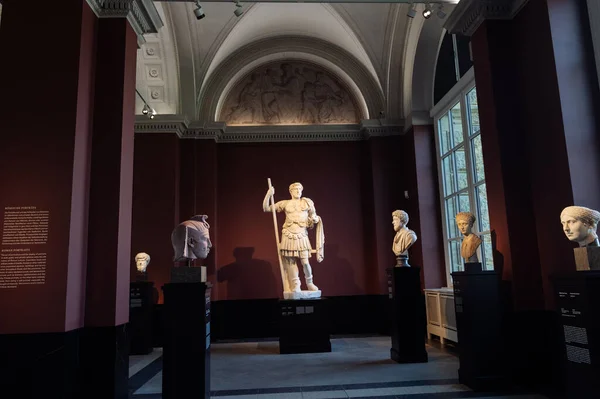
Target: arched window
<point>461,171</point>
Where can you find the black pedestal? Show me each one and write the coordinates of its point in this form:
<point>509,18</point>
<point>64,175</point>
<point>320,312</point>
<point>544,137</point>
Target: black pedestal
<point>140,317</point>
<point>303,326</point>
<point>409,320</point>
<point>186,350</point>
<point>578,301</point>
<point>479,314</point>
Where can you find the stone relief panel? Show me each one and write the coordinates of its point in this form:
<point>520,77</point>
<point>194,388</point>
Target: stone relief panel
<point>289,93</point>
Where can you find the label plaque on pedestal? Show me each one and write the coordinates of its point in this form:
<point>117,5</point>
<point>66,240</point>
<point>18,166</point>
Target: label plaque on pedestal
<point>578,302</point>
<point>303,326</point>
<point>409,319</point>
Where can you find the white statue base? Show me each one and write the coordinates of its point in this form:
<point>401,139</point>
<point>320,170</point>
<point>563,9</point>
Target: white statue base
<point>302,294</point>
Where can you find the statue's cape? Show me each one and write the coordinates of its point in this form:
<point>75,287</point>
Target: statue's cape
<point>320,241</point>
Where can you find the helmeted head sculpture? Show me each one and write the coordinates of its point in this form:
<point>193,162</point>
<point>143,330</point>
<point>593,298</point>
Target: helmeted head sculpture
<point>191,239</point>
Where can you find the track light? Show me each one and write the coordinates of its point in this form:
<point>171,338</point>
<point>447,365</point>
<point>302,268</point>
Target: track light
<point>412,12</point>
<point>199,12</point>
<point>427,12</point>
<point>238,9</point>
<point>147,110</point>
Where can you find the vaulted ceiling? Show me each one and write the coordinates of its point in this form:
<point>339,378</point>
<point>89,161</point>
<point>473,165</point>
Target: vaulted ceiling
<point>385,57</point>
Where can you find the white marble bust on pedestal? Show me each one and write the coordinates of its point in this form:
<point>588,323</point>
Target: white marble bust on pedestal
<point>191,239</point>
<point>471,241</point>
<point>142,260</point>
<point>404,238</point>
<point>579,225</point>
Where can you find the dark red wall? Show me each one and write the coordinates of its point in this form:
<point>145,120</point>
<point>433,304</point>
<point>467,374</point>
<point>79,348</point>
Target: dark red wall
<point>330,172</point>
<point>355,187</point>
<point>155,202</point>
<point>39,146</point>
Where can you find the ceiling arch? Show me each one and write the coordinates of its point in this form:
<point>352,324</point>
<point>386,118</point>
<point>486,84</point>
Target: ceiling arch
<point>384,57</point>
<point>352,72</point>
<point>313,20</point>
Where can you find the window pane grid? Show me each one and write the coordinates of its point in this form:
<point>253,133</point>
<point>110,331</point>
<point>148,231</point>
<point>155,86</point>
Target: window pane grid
<point>463,180</point>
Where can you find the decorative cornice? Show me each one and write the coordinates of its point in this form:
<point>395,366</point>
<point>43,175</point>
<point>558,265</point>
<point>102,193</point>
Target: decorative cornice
<point>221,133</point>
<point>469,14</point>
<point>141,14</point>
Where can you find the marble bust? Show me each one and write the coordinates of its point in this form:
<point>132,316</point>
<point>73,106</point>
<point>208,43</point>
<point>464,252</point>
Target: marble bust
<point>191,239</point>
<point>471,241</point>
<point>300,215</point>
<point>142,260</point>
<point>404,238</point>
<point>579,225</point>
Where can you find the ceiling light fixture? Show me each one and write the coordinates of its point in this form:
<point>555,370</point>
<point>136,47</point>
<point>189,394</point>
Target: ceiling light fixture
<point>199,12</point>
<point>238,9</point>
<point>147,110</point>
<point>427,11</point>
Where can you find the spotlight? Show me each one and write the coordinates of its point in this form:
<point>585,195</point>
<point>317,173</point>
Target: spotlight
<point>199,12</point>
<point>427,12</point>
<point>441,14</point>
<point>238,9</point>
<point>152,114</point>
<point>411,13</point>
<point>146,109</point>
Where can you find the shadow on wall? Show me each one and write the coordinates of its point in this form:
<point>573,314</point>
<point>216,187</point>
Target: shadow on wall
<point>335,275</point>
<point>248,278</point>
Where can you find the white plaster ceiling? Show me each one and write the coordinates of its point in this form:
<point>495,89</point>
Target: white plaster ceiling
<point>378,36</point>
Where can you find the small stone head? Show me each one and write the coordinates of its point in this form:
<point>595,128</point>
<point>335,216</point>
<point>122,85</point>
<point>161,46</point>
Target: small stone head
<point>191,239</point>
<point>296,190</point>
<point>399,219</point>
<point>465,222</point>
<point>141,261</point>
<point>580,224</point>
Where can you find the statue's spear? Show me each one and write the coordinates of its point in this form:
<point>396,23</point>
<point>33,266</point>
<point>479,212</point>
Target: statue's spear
<point>284,280</point>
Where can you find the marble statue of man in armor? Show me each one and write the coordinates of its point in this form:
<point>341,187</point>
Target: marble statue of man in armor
<point>300,215</point>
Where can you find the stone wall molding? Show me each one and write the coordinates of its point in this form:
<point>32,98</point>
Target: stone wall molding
<point>141,14</point>
<point>468,15</point>
<point>221,133</point>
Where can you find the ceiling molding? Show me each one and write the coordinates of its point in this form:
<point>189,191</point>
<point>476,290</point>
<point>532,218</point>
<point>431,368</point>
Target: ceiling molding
<point>221,133</point>
<point>216,86</point>
<point>470,14</point>
<point>141,14</point>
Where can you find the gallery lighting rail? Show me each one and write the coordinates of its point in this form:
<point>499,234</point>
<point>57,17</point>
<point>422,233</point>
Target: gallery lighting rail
<point>147,110</point>
<point>320,1</point>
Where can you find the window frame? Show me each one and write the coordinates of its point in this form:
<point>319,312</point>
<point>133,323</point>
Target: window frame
<point>593,7</point>
<point>457,95</point>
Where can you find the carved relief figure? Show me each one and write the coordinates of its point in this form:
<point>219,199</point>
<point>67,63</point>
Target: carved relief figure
<point>289,93</point>
<point>300,215</point>
<point>191,239</point>
<point>249,101</point>
<point>471,241</point>
<point>579,225</point>
<point>142,260</point>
